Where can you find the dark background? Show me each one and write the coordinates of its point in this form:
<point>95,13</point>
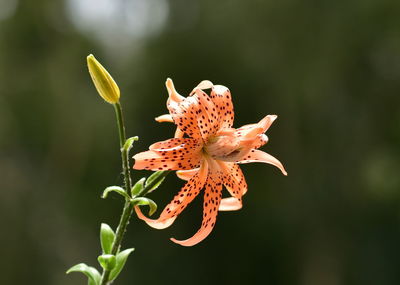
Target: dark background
<point>329,69</point>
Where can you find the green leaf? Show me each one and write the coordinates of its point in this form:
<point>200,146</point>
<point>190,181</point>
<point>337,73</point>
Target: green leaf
<point>120,262</point>
<point>145,201</point>
<point>116,189</point>
<point>154,181</point>
<point>128,143</point>
<point>138,187</point>
<point>91,272</point>
<point>107,237</point>
<point>107,261</point>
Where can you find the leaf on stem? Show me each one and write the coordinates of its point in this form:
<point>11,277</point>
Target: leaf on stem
<point>138,187</point>
<point>115,189</point>
<point>154,181</point>
<point>145,201</point>
<point>129,143</point>
<point>91,272</point>
<point>107,261</point>
<point>120,262</point>
<point>107,237</point>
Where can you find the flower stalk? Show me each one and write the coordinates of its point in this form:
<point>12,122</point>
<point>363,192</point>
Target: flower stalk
<point>128,208</point>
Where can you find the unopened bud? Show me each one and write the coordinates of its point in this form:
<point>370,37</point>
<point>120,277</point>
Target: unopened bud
<point>103,81</point>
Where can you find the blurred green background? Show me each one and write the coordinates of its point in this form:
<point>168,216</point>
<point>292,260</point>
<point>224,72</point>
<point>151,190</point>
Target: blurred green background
<point>329,69</point>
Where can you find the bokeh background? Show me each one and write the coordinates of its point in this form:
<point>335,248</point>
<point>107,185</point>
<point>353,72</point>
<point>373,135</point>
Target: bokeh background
<point>329,69</point>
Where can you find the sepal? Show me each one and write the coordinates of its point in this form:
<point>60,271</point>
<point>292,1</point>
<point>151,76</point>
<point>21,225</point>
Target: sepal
<point>91,272</point>
<point>120,262</point>
<point>107,237</point>
<point>145,201</point>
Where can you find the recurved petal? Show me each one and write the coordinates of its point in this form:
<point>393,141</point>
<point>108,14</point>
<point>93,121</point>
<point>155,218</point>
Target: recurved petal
<point>176,144</point>
<point>184,114</point>
<point>186,195</point>
<point>256,155</point>
<point>221,97</point>
<point>233,179</point>
<point>251,130</point>
<point>212,199</point>
<point>164,118</point>
<point>172,154</point>
<point>173,95</point>
<point>205,84</point>
<point>230,204</point>
<point>186,174</point>
<point>207,119</point>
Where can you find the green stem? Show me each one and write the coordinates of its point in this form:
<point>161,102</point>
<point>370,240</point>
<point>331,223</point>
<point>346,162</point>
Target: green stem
<point>128,209</point>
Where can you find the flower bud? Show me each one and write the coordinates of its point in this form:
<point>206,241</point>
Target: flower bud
<point>103,81</point>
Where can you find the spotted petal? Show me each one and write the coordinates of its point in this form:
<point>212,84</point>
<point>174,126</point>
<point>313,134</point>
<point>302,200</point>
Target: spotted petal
<point>207,119</point>
<point>186,174</point>
<point>186,195</point>
<point>212,199</point>
<point>172,154</point>
<point>221,97</point>
<point>256,155</point>
<point>230,204</point>
<point>233,179</point>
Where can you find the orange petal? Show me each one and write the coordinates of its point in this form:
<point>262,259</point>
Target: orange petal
<point>164,118</point>
<point>156,224</point>
<point>186,195</point>
<point>185,115</point>
<point>230,204</point>
<point>173,95</point>
<point>186,174</point>
<point>205,84</point>
<point>179,133</point>
<point>207,120</point>
<point>195,115</point>
<point>259,156</point>
<point>221,97</point>
<point>212,199</point>
<point>174,144</point>
<point>172,154</point>
<point>233,179</point>
<point>252,130</point>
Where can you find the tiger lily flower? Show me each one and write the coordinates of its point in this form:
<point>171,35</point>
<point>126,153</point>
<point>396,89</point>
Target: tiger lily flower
<point>207,157</point>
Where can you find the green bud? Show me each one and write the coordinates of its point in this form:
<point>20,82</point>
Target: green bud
<point>105,84</point>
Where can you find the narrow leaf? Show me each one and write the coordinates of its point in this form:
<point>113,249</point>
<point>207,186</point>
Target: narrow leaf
<point>120,262</point>
<point>115,189</point>
<point>128,143</point>
<point>145,201</point>
<point>138,187</point>
<point>154,181</point>
<point>91,272</point>
<point>107,237</point>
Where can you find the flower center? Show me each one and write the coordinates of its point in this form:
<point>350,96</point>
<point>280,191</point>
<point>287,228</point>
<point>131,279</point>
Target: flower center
<point>231,145</point>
